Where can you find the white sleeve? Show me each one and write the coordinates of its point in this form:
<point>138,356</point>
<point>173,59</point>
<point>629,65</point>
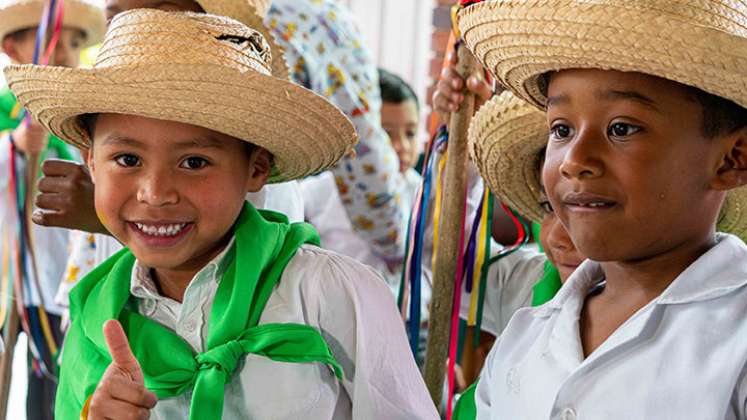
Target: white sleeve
<point>740,397</point>
<point>359,320</point>
<point>484,390</point>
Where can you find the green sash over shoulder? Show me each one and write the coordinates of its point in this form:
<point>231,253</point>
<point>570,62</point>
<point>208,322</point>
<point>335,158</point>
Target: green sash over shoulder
<point>265,243</point>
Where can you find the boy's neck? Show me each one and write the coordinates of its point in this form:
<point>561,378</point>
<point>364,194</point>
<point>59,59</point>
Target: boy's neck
<point>172,283</point>
<point>648,278</point>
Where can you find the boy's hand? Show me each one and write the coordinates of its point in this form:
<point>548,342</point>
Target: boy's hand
<point>448,96</point>
<point>30,138</point>
<point>121,393</point>
<point>66,197</point>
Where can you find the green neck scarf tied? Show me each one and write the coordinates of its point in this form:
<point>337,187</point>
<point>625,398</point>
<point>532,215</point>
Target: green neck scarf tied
<point>264,245</point>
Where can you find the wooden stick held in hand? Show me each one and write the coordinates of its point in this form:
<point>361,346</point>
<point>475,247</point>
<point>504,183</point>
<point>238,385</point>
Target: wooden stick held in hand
<point>452,219</point>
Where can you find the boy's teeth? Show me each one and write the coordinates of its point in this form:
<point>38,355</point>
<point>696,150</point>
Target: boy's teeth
<point>170,230</point>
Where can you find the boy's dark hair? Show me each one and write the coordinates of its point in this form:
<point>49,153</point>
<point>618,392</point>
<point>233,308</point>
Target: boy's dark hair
<point>395,90</point>
<point>20,34</point>
<point>88,121</point>
<point>720,116</point>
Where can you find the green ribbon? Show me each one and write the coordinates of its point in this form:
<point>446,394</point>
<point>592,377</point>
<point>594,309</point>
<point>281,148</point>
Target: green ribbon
<point>264,245</point>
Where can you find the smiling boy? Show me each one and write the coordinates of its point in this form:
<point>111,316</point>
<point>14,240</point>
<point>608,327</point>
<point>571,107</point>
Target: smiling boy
<point>225,311</point>
<point>648,132</point>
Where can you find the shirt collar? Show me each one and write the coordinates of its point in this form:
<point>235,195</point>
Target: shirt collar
<point>720,271</point>
<point>142,285</point>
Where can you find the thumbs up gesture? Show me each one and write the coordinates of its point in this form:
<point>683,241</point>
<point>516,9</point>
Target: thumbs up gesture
<point>121,393</point>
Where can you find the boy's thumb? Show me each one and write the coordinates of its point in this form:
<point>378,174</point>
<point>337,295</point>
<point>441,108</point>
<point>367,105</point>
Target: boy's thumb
<point>119,349</point>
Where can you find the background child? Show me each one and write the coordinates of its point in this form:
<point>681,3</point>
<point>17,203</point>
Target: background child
<point>21,138</point>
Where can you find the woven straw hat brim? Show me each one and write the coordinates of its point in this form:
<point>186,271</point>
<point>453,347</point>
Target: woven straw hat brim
<point>305,133</point>
<point>700,43</point>
<point>77,14</point>
<point>251,13</point>
<point>506,137</point>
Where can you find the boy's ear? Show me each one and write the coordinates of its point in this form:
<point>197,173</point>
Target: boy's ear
<point>732,172</point>
<point>260,165</point>
<point>87,155</point>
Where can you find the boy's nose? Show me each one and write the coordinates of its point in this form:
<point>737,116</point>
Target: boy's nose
<point>157,190</point>
<point>581,158</point>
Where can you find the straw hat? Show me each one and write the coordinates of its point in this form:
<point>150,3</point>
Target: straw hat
<point>251,13</point>
<point>700,43</point>
<point>80,14</point>
<point>507,137</point>
<point>199,69</point>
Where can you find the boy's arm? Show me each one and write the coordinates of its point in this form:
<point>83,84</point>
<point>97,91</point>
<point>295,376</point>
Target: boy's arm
<point>359,321</point>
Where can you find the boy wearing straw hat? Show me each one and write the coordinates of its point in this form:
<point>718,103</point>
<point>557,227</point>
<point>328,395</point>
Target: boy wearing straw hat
<point>82,25</point>
<point>648,131</point>
<point>64,178</point>
<point>220,309</point>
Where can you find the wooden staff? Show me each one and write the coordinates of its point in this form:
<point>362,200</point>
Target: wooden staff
<point>10,336</point>
<point>451,224</point>
<point>11,328</point>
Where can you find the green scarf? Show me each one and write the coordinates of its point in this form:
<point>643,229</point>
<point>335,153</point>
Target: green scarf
<point>264,244</point>
<point>547,286</point>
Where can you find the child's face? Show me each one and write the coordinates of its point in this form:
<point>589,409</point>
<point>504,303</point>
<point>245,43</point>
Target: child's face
<point>66,53</point>
<point>400,121</point>
<point>628,169</point>
<point>558,246</point>
<point>171,191</point>
<point>113,7</point>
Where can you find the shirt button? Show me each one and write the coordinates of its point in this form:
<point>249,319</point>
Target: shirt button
<point>568,414</point>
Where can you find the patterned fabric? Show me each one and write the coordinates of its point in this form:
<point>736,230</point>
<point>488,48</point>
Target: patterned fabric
<point>325,53</point>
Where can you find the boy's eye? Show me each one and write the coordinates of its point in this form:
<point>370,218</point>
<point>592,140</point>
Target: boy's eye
<point>622,130</point>
<point>128,161</point>
<point>546,206</point>
<point>194,162</point>
<point>411,134</point>
<point>561,131</point>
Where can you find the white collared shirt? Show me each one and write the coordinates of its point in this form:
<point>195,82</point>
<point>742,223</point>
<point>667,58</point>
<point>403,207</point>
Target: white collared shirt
<point>510,285</point>
<point>356,315</point>
<point>682,356</point>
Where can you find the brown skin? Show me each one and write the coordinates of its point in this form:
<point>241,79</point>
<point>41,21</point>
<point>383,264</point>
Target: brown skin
<point>121,392</point>
<point>71,180</point>
<point>448,94</point>
<point>400,121</point>
<point>162,172</point>
<point>31,139</point>
<point>635,144</point>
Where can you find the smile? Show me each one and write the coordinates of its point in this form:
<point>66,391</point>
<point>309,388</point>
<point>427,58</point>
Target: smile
<point>585,201</point>
<point>160,234</point>
<point>161,230</point>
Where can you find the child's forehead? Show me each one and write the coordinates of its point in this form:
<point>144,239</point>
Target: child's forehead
<point>134,130</point>
<point>612,85</point>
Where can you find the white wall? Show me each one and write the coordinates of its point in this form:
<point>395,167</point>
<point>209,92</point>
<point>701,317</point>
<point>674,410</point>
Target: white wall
<point>398,33</point>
